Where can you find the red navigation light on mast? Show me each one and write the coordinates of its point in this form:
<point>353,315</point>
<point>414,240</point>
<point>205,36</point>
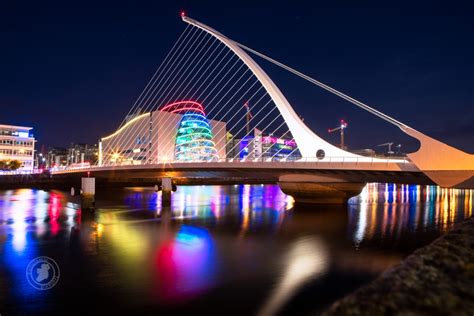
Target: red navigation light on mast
<point>182,13</point>
<point>341,127</point>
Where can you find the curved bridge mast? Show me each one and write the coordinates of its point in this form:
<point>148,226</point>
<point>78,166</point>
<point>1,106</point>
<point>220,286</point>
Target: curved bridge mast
<point>445,165</point>
<point>307,141</point>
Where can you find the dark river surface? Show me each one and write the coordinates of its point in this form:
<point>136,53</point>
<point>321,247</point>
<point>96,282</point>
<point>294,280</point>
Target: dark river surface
<point>218,250</point>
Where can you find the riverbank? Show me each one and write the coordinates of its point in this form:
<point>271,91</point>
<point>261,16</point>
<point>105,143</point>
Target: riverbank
<point>435,280</point>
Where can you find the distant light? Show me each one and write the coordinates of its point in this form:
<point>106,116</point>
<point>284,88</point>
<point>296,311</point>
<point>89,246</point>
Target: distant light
<point>183,13</point>
<point>115,157</point>
<point>100,229</point>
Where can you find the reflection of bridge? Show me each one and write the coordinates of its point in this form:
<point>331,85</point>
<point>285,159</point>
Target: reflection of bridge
<point>244,126</point>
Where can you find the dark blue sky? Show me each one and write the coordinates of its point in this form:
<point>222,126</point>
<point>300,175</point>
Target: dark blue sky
<point>72,70</point>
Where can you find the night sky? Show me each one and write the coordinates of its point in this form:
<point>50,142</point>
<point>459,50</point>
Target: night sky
<point>72,71</point>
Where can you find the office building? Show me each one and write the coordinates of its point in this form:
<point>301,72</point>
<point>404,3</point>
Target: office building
<point>17,143</point>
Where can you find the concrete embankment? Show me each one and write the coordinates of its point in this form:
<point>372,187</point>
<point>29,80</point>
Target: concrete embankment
<point>37,181</point>
<point>435,280</point>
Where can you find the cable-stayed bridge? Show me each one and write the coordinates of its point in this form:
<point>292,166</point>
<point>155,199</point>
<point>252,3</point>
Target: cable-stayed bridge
<point>211,110</point>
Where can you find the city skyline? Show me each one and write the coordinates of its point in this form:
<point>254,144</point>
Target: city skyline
<point>100,64</point>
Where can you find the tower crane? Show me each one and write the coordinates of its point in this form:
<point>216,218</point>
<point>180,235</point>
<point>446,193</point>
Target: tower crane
<point>342,126</point>
<point>248,117</point>
<point>389,152</point>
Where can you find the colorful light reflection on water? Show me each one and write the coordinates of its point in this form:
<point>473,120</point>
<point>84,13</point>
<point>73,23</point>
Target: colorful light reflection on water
<point>254,204</point>
<point>28,219</point>
<point>214,243</point>
<point>185,264</point>
<point>386,211</point>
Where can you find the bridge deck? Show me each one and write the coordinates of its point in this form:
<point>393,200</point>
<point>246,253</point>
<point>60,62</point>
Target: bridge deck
<point>387,171</point>
<point>371,165</point>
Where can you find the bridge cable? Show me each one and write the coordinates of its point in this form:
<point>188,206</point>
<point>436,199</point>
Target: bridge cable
<point>152,98</point>
<point>175,98</point>
<point>215,86</point>
<point>156,75</point>
<point>325,87</point>
<point>208,116</point>
<point>200,84</point>
<point>155,86</point>
<point>170,96</point>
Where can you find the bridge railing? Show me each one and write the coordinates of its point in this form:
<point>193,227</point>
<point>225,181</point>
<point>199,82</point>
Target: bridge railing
<point>20,172</point>
<point>325,160</point>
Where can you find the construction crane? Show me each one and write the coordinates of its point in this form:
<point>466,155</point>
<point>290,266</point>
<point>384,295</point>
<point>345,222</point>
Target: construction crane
<point>341,128</point>
<point>389,152</point>
<point>248,117</point>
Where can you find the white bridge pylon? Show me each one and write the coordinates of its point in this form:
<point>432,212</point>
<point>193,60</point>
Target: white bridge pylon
<point>307,141</point>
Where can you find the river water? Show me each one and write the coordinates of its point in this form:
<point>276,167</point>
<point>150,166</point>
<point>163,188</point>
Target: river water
<point>219,250</point>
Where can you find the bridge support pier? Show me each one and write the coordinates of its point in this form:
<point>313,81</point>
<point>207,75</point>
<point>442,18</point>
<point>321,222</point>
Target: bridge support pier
<point>310,189</point>
<point>88,193</point>
<point>166,188</point>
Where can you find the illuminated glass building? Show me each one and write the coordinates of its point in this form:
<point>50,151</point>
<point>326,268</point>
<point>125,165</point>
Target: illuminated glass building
<point>177,131</point>
<point>194,139</point>
<point>267,147</point>
<point>17,143</point>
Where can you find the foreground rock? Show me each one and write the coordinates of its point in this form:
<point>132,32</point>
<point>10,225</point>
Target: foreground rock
<point>435,280</point>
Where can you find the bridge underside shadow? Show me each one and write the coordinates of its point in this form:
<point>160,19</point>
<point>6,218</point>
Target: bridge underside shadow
<point>132,177</point>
